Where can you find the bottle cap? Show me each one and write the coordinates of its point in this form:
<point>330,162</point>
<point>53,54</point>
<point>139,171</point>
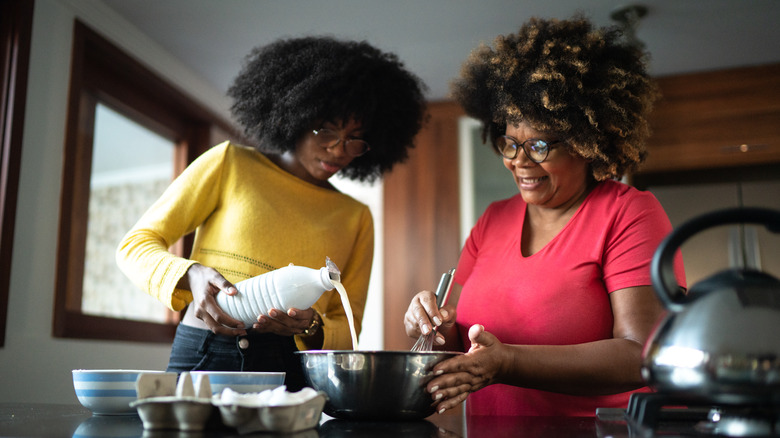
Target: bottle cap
<point>333,270</point>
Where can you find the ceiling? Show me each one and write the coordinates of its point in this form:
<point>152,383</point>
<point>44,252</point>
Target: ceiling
<point>433,37</point>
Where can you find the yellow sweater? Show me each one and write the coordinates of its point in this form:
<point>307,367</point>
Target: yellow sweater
<point>252,217</point>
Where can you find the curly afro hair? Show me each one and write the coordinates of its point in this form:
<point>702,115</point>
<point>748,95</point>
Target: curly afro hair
<point>567,78</point>
<point>285,88</point>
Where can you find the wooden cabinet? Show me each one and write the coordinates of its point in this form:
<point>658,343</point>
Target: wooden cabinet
<point>726,118</point>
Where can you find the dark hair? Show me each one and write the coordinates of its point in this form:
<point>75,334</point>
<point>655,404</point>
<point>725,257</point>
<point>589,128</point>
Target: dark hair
<point>286,87</point>
<point>567,78</point>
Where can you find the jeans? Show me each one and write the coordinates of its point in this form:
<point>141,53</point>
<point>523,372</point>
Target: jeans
<point>196,349</point>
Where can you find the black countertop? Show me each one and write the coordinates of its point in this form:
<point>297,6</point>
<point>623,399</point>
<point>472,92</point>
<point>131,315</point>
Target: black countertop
<point>58,420</point>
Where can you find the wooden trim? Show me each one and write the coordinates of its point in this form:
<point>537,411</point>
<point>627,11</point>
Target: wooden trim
<point>421,219</point>
<point>80,326</point>
<point>15,32</point>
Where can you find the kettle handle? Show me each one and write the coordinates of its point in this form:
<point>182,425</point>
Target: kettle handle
<point>662,266</point>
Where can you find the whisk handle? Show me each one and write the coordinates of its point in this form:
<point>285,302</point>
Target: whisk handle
<point>445,285</point>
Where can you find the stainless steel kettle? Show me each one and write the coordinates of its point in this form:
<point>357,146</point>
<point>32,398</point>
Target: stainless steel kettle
<point>720,341</point>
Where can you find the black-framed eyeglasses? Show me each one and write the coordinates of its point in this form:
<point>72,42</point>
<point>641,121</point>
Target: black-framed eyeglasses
<point>535,149</point>
<point>329,139</point>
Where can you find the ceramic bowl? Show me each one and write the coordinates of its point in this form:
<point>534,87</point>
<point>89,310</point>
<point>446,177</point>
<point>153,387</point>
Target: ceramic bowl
<point>107,392</point>
<point>240,381</point>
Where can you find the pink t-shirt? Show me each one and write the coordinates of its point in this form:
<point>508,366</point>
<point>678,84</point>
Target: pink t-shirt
<point>560,295</point>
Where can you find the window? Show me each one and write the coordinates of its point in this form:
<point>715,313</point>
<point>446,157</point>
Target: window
<point>131,167</point>
<point>15,31</point>
<point>112,97</point>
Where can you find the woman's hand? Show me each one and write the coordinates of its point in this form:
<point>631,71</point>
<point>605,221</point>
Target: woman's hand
<point>423,315</point>
<point>464,374</point>
<point>293,322</point>
<point>205,283</point>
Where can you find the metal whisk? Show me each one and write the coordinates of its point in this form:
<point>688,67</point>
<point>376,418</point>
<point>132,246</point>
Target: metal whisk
<point>425,342</point>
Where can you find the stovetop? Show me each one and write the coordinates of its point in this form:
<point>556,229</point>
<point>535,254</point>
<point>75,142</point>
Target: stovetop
<point>664,415</point>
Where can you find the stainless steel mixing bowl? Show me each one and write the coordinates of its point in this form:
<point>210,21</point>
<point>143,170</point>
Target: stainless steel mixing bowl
<point>373,385</point>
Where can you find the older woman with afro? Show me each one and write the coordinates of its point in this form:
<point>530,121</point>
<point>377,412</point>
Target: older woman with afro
<point>314,107</point>
<point>552,299</point>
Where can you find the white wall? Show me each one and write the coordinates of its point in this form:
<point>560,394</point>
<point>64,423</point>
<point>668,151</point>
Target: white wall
<point>372,335</point>
<point>34,366</point>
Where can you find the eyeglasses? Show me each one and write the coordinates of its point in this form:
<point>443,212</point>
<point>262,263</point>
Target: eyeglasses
<point>329,139</point>
<point>536,150</point>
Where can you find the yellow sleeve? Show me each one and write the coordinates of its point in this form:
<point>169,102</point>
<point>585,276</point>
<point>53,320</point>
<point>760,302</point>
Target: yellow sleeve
<point>143,254</point>
<point>355,276</point>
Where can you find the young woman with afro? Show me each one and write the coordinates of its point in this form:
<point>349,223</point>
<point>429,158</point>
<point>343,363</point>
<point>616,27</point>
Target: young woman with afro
<point>314,107</point>
<point>552,299</point>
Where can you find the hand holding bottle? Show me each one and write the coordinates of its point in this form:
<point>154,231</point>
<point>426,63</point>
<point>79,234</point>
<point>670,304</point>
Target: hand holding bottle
<point>206,284</point>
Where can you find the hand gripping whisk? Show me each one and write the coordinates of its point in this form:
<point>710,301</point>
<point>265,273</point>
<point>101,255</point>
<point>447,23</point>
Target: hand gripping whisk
<point>425,342</point>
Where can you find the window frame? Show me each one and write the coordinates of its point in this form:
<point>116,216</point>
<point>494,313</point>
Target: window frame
<point>100,71</point>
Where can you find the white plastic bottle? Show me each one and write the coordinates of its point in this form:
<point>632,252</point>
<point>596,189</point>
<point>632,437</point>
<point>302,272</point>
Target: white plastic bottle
<point>282,289</point>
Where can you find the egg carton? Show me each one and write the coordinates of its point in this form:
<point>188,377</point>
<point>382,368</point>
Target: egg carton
<point>273,410</point>
<point>188,405</point>
<point>164,404</point>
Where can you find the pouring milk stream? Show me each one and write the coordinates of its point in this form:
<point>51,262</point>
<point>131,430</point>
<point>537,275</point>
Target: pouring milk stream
<point>291,286</point>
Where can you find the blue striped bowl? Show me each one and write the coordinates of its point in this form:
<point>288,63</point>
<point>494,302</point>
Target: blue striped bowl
<point>107,392</point>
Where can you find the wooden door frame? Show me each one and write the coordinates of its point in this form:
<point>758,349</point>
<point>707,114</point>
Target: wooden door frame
<point>421,219</point>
